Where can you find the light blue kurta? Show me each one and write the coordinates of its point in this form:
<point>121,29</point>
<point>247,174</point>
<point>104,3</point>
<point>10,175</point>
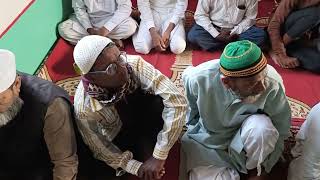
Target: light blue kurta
<point>216,116</point>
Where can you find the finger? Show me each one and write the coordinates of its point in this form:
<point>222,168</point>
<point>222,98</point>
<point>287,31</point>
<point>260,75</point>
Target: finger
<point>146,176</point>
<point>158,175</point>
<point>162,173</point>
<point>162,44</point>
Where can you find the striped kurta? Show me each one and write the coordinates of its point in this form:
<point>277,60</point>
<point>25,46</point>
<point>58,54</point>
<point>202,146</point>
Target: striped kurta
<point>99,125</point>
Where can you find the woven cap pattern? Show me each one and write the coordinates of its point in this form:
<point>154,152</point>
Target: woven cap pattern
<point>87,51</point>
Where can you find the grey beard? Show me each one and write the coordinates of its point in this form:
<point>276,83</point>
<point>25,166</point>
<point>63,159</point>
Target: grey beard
<point>11,112</point>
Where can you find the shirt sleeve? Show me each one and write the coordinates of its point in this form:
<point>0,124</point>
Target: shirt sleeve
<point>146,13</point>
<point>179,12</point>
<point>122,13</point>
<point>279,112</point>
<point>202,17</point>
<point>81,13</point>
<point>60,139</point>
<point>175,105</point>
<point>94,128</point>
<point>283,10</point>
<point>191,89</point>
<point>249,18</point>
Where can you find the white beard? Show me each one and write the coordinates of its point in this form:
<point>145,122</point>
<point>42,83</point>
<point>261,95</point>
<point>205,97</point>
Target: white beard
<point>11,112</point>
<point>251,99</point>
<point>248,99</point>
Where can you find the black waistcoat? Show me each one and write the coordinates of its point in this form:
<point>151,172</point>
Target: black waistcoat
<point>22,145</point>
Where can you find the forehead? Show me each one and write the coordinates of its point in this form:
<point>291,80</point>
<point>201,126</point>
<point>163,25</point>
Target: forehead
<point>108,55</point>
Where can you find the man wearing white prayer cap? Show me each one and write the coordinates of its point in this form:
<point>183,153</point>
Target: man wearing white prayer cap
<point>37,139</point>
<point>129,113</point>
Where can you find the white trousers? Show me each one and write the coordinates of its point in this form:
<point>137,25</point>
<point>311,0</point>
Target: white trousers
<point>306,165</point>
<point>72,31</point>
<point>259,137</point>
<point>142,40</point>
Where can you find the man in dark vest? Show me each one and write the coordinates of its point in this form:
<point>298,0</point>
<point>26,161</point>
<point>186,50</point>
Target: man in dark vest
<point>37,140</point>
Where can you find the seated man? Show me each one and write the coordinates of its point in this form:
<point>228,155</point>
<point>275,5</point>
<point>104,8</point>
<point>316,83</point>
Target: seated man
<point>126,109</point>
<point>306,164</point>
<point>161,26</point>
<point>109,18</point>
<point>37,139</point>
<point>287,29</point>
<point>220,22</point>
<point>239,116</point>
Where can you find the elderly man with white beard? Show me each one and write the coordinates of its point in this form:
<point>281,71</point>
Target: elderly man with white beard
<point>37,139</point>
<point>239,116</point>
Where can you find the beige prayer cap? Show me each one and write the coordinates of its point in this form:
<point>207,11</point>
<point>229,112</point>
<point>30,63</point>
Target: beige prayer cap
<point>87,51</point>
<point>7,69</point>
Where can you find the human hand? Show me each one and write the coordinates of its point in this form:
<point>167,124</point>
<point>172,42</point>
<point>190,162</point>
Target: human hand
<point>157,41</point>
<point>152,169</point>
<point>166,38</point>
<point>98,31</point>
<point>224,36</point>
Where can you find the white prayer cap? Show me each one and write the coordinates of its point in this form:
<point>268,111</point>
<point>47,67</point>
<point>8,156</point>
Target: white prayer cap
<point>7,69</point>
<point>87,51</point>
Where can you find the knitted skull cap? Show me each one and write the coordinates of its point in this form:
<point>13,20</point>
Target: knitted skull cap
<point>87,51</point>
<point>8,70</point>
<point>241,59</point>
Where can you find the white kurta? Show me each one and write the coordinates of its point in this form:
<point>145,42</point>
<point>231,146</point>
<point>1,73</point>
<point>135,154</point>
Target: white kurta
<point>114,15</point>
<point>259,137</point>
<point>158,14</point>
<point>306,164</point>
<point>226,14</point>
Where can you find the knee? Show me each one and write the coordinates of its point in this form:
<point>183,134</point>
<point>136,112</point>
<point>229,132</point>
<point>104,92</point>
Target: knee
<point>141,48</point>
<point>62,28</point>
<point>131,28</point>
<point>258,129</point>
<point>192,37</point>
<point>178,46</point>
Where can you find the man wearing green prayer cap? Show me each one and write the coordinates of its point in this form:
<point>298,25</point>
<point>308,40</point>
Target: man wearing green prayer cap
<point>238,118</point>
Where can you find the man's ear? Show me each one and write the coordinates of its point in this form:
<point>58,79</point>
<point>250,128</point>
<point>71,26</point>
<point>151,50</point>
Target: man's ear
<point>17,85</point>
<point>225,81</point>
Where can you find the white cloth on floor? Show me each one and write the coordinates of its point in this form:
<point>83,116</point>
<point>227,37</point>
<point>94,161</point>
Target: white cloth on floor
<point>259,137</point>
<point>306,165</point>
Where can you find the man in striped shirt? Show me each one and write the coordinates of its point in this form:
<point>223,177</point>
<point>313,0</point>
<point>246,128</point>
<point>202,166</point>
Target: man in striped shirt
<point>117,108</point>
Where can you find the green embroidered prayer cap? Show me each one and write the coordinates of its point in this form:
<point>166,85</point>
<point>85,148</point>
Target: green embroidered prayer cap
<point>242,59</point>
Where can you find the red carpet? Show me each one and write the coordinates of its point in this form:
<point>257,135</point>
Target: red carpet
<point>302,87</point>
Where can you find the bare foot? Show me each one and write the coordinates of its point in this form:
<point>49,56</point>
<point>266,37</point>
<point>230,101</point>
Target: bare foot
<point>285,61</point>
<point>119,43</point>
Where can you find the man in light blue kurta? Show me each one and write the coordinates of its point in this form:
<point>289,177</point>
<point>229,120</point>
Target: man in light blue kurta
<point>239,116</point>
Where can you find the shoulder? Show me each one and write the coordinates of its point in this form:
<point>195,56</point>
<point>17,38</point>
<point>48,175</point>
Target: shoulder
<point>204,70</point>
<point>274,78</point>
<point>79,99</point>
